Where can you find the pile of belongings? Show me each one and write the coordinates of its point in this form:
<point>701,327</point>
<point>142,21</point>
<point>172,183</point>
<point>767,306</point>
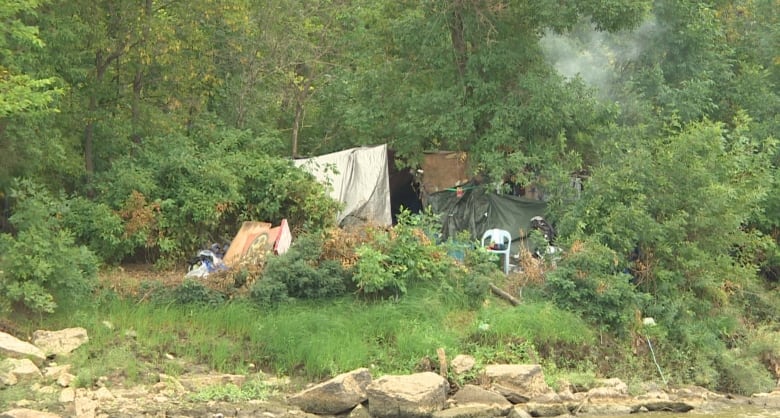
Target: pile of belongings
<point>207,261</point>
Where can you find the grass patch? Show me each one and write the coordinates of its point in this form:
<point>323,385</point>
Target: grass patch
<point>343,335</point>
<point>255,389</point>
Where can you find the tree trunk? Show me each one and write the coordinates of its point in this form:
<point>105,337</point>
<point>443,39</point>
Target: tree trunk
<point>458,38</point>
<point>138,80</point>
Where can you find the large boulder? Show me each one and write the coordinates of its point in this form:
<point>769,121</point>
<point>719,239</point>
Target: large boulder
<point>471,395</point>
<point>471,411</point>
<point>415,395</point>
<point>463,363</point>
<point>517,382</point>
<point>13,347</point>
<point>340,394</point>
<point>19,371</point>
<point>60,342</point>
<point>27,413</point>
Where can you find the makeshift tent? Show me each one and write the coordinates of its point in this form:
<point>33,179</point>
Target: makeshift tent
<point>358,178</point>
<point>256,240</point>
<point>477,209</point>
<point>442,170</point>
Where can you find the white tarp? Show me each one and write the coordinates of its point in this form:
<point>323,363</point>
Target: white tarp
<point>358,178</point>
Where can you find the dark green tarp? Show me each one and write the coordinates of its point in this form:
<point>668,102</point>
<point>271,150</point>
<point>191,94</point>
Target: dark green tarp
<point>480,209</point>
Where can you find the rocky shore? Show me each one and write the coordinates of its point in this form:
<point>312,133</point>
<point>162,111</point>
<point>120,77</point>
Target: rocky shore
<point>504,390</point>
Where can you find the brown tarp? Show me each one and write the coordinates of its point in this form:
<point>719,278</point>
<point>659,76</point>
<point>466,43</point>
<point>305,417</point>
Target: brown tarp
<point>443,170</point>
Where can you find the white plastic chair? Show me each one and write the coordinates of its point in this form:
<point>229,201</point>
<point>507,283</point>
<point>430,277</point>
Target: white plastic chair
<point>500,237</point>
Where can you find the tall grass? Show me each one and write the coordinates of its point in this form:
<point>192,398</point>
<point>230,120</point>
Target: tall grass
<point>310,340</point>
<point>321,340</point>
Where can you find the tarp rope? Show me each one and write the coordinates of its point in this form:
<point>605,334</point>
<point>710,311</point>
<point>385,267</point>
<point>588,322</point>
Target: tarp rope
<point>656,361</point>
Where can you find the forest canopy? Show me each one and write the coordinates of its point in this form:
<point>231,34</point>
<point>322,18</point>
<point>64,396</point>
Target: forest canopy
<point>142,130</point>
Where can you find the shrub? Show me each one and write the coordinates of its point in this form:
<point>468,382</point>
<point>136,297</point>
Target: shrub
<point>376,275</point>
<point>184,194</point>
<point>192,292</point>
<point>41,267</point>
<point>402,257</point>
<point>99,228</point>
<point>300,273</point>
<point>588,283</point>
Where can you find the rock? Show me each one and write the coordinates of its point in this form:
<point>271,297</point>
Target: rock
<point>606,408</point>
<point>103,395</point>
<point>416,395</point>
<point>767,400</point>
<point>471,395</point>
<point>196,383</point>
<point>22,370</point>
<point>667,406</point>
<point>60,342</point>
<point>518,412</point>
<point>462,363</point>
<point>67,395</point>
<point>65,379</point>
<point>169,383</point>
<point>27,413</point>
<point>359,411</point>
<point>85,406</point>
<point>517,382</point>
<point>607,394</point>
<point>655,395</point>
<point>613,383</point>
<point>15,348</point>
<point>545,409</point>
<point>7,378</point>
<point>335,396</point>
<point>53,372</point>
<point>469,411</point>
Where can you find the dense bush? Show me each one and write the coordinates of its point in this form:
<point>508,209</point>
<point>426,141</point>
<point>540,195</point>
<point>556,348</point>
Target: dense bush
<point>180,193</point>
<point>41,267</point>
<point>407,256</point>
<point>671,210</point>
<point>587,282</point>
<point>300,273</point>
<point>100,229</point>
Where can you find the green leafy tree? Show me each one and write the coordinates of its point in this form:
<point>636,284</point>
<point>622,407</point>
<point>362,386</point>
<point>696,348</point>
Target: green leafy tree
<point>468,76</point>
<point>41,267</point>
<point>26,93</point>
<point>674,210</point>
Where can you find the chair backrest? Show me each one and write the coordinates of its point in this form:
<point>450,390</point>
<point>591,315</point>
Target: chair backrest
<point>499,236</point>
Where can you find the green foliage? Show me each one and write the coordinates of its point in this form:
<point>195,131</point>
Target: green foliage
<point>397,260</point>
<point>100,229</point>
<point>21,92</point>
<point>743,375</point>
<point>375,275</point>
<point>41,267</point>
<point>193,292</point>
<point>300,273</point>
<point>196,194</point>
<point>587,282</point>
<point>670,211</point>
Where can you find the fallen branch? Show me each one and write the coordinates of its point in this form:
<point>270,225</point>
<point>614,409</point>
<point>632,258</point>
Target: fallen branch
<point>504,295</point>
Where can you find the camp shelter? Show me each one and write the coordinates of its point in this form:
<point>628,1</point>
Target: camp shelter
<point>256,240</point>
<point>476,208</point>
<point>358,178</point>
<point>442,170</point>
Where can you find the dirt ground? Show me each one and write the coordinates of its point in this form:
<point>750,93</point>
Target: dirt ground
<point>128,279</point>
